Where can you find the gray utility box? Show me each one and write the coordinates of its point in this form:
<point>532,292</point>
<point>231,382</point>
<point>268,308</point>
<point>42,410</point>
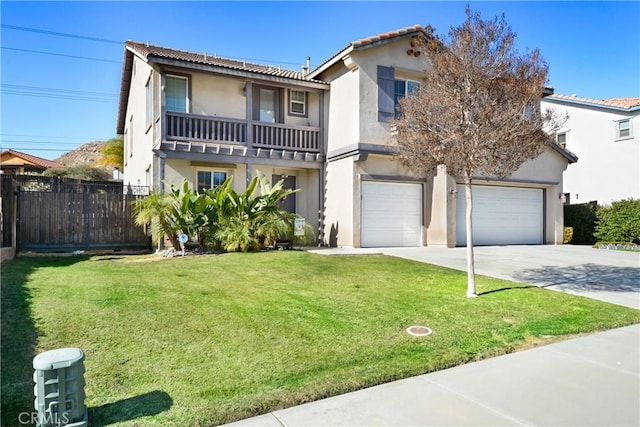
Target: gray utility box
<point>59,390</point>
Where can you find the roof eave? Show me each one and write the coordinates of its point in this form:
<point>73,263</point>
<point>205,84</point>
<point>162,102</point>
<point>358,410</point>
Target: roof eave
<point>234,72</point>
<point>593,104</point>
<point>125,85</point>
<point>571,158</point>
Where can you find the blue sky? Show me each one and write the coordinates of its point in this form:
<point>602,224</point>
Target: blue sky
<point>58,92</point>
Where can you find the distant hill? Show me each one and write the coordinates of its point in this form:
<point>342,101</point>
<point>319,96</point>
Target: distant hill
<point>86,154</point>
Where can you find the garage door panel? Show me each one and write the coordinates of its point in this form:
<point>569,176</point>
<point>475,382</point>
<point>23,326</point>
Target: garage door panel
<point>501,215</point>
<point>391,214</point>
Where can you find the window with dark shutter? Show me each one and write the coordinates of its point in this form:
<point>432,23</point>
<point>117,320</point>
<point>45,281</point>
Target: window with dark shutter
<point>386,87</point>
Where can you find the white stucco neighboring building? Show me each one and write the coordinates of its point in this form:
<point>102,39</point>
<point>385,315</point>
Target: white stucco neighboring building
<point>605,136</point>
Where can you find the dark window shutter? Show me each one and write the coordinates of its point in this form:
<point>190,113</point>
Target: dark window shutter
<point>385,94</point>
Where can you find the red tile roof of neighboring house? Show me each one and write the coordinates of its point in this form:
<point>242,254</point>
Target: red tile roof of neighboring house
<point>38,161</point>
<point>623,103</point>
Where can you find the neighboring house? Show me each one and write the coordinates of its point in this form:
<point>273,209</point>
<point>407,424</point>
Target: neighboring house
<point>15,162</point>
<point>204,118</point>
<point>605,135</point>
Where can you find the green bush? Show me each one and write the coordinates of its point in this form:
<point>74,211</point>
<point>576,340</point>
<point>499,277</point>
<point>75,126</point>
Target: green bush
<point>582,218</point>
<point>221,218</point>
<point>619,222</point>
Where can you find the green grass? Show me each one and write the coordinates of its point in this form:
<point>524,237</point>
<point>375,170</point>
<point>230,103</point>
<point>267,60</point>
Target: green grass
<point>215,338</point>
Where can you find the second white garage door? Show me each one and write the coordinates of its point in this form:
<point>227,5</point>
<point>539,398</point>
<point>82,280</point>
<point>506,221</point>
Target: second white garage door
<point>501,216</point>
<point>391,214</point>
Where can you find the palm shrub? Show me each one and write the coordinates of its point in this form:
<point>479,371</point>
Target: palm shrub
<point>250,222</point>
<point>155,209</point>
<point>189,212</point>
<point>221,218</point>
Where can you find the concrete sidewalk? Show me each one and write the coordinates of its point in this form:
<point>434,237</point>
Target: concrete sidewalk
<point>588,381</point>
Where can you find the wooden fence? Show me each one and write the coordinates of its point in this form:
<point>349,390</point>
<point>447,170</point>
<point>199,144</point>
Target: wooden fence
<point>68,215</point>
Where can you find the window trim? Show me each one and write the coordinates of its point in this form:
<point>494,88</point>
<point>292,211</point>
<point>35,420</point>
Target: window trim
<point>396,100</point>
<point>305,112</point>
<point>187,78</point>
<point>212,171</point>
<point>149,100</point>
<point>558,135</point>
<point>130,139</point>
<point>617,129</point>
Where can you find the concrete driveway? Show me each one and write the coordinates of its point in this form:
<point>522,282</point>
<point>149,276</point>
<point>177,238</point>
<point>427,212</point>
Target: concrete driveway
<point>607,275</point>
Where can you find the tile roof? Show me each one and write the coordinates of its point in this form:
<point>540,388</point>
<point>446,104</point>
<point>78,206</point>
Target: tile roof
<point>39,161</point>
<point>623,103</point>
<point>146,51</point>
<point>387,35</point>
<point>368,41</point>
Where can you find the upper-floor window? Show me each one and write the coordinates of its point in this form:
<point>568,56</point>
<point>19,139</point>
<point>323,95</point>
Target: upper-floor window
<point>561,139</point>
<point>403,88</point>
<point>210,179</point>
<point>297,102</point>
<point>176,92</point>
<point>623,129</point>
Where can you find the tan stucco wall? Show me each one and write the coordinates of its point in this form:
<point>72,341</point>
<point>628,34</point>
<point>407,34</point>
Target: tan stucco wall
<point>441,227</point>
<point>406,67</point>
<point>217,96</point>
<point>339,205</point>
<point>138,159</point>
<point>343,109</point>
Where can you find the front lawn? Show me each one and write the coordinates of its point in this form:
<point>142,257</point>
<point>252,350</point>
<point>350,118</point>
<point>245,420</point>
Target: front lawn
<point>210,339</point>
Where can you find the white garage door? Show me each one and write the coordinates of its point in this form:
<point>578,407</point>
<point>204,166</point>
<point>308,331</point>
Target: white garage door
<point>501,216</point>
<point>391,214</point>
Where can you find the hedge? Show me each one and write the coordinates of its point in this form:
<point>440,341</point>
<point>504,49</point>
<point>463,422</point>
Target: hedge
<point>582,218</point>
<point>619,222</point>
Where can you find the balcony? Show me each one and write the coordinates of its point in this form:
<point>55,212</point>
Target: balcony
<point>220,130</point>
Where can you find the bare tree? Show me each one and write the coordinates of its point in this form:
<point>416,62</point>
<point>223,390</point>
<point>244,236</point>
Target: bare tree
<point>477,112</point>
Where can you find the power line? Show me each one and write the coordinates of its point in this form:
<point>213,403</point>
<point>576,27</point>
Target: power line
<point>65,91</point>
<point>15,141</point>
<point>58,96</point>
<point>61,54</point>
<point>38,149</point>
<point>55,33</point>
<point>48,136</point>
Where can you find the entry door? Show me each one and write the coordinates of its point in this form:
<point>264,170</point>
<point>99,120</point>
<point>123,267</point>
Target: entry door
<point>289,202</point>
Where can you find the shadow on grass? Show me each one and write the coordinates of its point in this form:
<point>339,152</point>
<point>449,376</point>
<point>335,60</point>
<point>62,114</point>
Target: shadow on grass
<point>147,404</point>
<point>585,277</point>
<point>510,288</point>
<point>19,334</point>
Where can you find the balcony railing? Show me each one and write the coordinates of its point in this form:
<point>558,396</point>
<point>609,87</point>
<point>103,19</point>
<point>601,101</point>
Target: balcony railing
<point>191,127</point>
<point>286,137</point>
<point>196,128</point>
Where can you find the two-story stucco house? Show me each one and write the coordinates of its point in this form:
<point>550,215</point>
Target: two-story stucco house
<point>204,118</point>
<point>605,135</point>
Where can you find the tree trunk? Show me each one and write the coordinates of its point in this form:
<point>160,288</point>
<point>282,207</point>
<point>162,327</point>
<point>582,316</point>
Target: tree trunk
<point>471,274</point>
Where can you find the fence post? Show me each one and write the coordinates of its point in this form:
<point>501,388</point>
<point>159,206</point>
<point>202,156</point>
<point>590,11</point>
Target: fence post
<point>86,217</point>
